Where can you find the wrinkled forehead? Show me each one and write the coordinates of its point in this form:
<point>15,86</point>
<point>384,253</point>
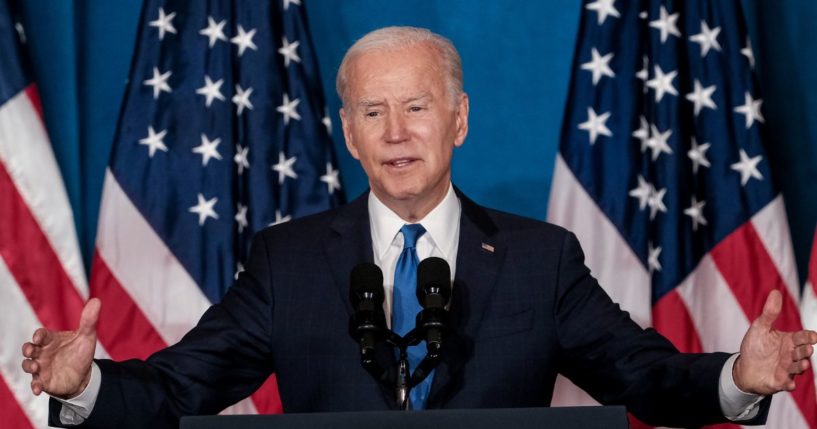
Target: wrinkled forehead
<point>415,68</point>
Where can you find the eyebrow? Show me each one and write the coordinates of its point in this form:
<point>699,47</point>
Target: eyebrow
<point>379,102</point>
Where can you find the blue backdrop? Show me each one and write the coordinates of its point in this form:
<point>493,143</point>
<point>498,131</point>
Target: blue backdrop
<point>516,56</point>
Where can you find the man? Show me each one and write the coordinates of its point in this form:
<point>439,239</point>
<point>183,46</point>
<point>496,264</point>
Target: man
<point>524,305</point>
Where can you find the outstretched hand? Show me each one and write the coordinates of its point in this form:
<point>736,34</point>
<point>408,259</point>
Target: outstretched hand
<point>770,359</point>
<point>60,361</point>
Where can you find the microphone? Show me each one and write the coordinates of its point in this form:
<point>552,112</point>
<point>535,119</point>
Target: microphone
<point>433,292</point>
<point>368,325</point>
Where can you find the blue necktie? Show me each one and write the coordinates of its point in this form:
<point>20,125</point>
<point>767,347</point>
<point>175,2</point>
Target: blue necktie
<point>406,307</point>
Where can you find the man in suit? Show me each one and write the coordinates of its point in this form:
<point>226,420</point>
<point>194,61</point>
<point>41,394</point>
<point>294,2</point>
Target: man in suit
<point>524,305</point>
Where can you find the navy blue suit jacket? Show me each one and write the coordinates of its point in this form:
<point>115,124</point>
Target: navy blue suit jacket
<point>524,311</point>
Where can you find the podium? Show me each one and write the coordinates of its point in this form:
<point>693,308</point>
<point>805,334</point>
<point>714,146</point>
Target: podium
<point>505,418</point>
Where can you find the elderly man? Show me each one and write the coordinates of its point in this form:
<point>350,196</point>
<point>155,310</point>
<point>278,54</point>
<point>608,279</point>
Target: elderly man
<point>524,305</point>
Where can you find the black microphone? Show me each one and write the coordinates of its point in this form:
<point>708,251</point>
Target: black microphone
<point>433,292</point>
<point>368,325</point>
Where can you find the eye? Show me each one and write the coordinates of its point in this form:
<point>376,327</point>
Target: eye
<point>372,114</point>
<point>415,108</point>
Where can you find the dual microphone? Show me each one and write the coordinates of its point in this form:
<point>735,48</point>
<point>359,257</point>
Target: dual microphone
<point>368,324</point>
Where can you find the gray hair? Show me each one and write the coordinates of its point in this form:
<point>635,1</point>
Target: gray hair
<point>401,37</point>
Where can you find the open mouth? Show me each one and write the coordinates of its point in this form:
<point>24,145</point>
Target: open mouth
<point>400,162</point>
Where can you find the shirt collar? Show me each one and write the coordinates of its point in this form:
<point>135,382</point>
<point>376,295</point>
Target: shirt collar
<point>441,224</point>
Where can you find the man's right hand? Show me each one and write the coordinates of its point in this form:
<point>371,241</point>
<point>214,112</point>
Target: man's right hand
<point>60,361</point>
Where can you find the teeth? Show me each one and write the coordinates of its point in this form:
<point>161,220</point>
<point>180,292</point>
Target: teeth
<point>400,163</point>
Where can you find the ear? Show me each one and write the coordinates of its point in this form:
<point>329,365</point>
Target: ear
<point>347,134</point>
<point>462,120</point>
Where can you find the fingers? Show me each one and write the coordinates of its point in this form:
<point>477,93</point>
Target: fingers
<point>802,352</point>
<point>41,337</point>
<point>771,309</point>
<point>804,337</point>
<point>31,366</point>
<point>797,368</point>
<point>89,317</point>
<point>31,351</point>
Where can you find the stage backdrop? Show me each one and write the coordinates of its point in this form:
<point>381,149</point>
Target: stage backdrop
<point>516,56</point>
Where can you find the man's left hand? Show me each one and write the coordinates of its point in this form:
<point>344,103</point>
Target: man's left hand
<point>770,359</point>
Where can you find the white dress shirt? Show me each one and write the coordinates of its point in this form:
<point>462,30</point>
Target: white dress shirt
<point>441,239</point>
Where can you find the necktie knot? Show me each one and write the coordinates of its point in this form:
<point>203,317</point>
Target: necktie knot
<point>411,233</point>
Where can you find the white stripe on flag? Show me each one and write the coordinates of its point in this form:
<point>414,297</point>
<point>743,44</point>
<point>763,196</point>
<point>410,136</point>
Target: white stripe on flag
<point>607,254</point>
<point>26,152</point>
<point>772,226</point>
<point>145,267</point>
<point>718,318</point>
<point>19,322</point>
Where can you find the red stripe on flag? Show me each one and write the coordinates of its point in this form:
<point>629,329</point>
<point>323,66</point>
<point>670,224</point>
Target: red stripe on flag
<point>266,398</point>
<point>672,319</point>
<point>747,268</point>
<point>812,265</point>
<point>123,328</point>
<point>34,97</point>
<point>33,262</point>
<point>11,412</point>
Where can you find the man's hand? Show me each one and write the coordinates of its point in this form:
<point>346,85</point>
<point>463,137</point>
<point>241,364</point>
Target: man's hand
<point>770,359</point>
<point>60,361</point>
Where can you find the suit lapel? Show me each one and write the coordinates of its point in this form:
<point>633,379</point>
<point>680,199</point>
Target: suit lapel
<point>479,258</point>
<point>349,243</point>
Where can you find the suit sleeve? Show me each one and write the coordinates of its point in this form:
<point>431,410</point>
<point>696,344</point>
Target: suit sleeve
<point>618,363</point>
<point>224,359</point>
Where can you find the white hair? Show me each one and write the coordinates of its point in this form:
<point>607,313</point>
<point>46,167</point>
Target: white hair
<point>401,37</point>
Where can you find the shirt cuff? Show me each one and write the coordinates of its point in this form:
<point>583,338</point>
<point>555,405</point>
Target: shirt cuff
<point>75,410</point>
<point>736,404</point>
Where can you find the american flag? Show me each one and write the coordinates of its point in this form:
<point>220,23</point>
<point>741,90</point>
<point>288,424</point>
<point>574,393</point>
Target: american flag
<point>42,279</point>
<point>223,132</point>
<point>808,304</point>
<point>662,174</point>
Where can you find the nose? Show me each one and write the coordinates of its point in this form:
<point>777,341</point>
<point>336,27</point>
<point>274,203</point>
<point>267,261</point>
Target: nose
<point>396,131</point>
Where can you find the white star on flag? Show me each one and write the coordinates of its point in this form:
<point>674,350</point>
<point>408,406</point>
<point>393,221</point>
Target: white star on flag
<point>240,158</point>
<point>242,99</point>
<point>284,167</point>
<point>642,192</point>
<point>698,155</point>
<point>331,179</point>
<point>244,40</point>
<point>662,83</point>
<point>204,209</point>
<point>207,149</point>
<point>656,202</point>
<point>658,142</point>
<point>751,109</point>
<point>666,24</point>
<point>214,31</point>
<point>279,218</point>
<point>289,109</point>
<point>211,90</point>
<point>164,23</point>
<point>599,65</point>
<point>327,122</point>
<point>154,141</point>
<point>747,167</point>
<point>707,38</point>
<point>644,73</point>
<point>696,212</point>
<point>652,259</point>
<point>603,8</point>
<point>643,132</point>
<point>287,3</point>
<point>702,97</point>
<point>748,53</point>
<point>289,51</point>
<point>595,125</point>
<point>241,217</point>
<point>159,82</point>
